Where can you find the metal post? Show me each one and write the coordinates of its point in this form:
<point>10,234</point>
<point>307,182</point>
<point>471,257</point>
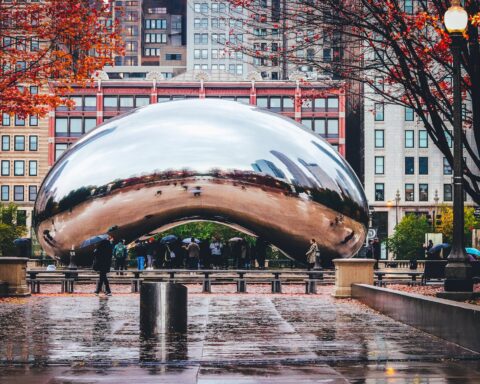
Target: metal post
<point>458,270</point>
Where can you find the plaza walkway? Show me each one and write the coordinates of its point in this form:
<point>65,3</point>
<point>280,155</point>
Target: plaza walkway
<point>232,338</point>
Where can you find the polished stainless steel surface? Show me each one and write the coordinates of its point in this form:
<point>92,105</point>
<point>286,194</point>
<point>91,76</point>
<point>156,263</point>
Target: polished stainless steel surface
<point>172,162</point>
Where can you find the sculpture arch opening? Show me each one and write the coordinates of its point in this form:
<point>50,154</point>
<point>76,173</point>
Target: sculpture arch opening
<point>203,160</point>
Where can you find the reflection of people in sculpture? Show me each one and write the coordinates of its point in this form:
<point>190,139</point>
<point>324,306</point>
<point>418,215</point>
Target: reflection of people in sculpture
<point>193,251</point>
<point>261,252</point>
<point>312,254</point>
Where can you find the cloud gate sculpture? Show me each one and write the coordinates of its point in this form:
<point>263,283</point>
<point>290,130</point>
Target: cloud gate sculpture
<point>169,163</point>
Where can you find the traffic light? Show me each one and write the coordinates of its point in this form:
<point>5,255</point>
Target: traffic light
<point>438,221</point>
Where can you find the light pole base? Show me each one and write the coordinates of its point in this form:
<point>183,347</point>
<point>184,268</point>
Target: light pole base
<point>458,277</point>
<point>458,296</point>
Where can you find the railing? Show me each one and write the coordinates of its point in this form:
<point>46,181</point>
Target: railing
<point>405,264</point>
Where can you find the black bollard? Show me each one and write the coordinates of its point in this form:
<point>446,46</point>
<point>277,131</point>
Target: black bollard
<point>163,308</point>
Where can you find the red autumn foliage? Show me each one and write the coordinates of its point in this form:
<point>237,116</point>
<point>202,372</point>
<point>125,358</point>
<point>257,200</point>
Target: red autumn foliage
<point>53,40</point>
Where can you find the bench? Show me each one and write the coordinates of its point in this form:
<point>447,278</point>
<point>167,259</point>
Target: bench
<point>434,270</point>
<point>381,274</point>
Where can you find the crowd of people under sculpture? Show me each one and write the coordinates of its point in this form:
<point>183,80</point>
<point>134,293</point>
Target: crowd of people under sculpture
<point>193,254</point>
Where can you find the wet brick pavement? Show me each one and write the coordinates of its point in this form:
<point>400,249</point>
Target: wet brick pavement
<point>231,338</point>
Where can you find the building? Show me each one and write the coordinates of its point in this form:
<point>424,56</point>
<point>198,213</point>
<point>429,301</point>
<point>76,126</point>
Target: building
<point>404,171</point>
<point>24,162</point>
<point>324,114</point>
<point>154,34</point>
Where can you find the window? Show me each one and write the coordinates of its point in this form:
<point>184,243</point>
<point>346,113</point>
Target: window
<point>332,128</point>
<point>379,138</point>
<point>449,138</point>
<point>447,169</point>
<point>275,103</point>
<point>409,192</point>
<point>320,127</point>
<point>423,192</point>
<point>409,114</point>
<point>320,104</point>
<point>379,192</point>
<point>90,103</point>
<point>126,101</point>
<point>308,123</point>
<point>33,120</point>
<point>288,104</point>
<point>19,168</point>
<point>379,115</point>
<point>423,165</point>
<point>34,90</point>
<point>19,121</point>
<point>5,143</point>
<point>409,165</point>
<point>61,126</point>
<point>379,165</point>
<point>110,102</point>
<point>5,167</point>
<point>32,168</point>
<point>409,7</point>
<point>141,101</point>
<point>19,143</point>
<point>76,126</point>
<point>409,139</point>
<point>18,193</point>
<point>90,123</point>
<point>32,192</point>
<point>447,192</point>
<point>262,101</point>
<point>5,119</point>
<point>59,149</point>
<point>333,103</point>
<point>173,56</point>
<point>33,143</point>
<point>5,193</point>
<point>422,139</point>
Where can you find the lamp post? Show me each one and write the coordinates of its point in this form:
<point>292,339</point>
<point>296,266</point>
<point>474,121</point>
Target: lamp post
<point>397,200</point>
<point>435,211</point>
<point>458,275</point>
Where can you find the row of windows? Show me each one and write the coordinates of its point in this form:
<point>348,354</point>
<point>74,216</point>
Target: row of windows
<point>409,165</point>
<point>125,101</point>
<point>74,126</point>
<point>19,143</point>
<point>410,192</point>
<point>18,193</point>
<point>216,7</point>
<point>379,113</point>
<point>155,37</point>
<point>326,127</point>
<point>19,121</point>
<point>379,139</point>
<point>155,24</point>
<point>19,167</point>
<point>21,43</point>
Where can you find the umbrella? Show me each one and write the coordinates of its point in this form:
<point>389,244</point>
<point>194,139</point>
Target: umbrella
<point>168,239</point>
<point>439,247</point>
<point>473,251</point>
<point>188,240</point>
<point>21,241</point>
<point>234,239</point>
<point>94,240</point>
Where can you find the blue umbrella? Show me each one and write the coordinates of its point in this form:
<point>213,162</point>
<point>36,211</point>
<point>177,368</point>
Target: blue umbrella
<point>473,251</point>
<point>94,240</point>
<point>188,240</point>
<point>439,247</point>
<point>168,239</point>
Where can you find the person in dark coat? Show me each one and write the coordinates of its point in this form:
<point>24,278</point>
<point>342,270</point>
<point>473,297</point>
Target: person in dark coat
<point>261,252</point>
<point>369,253</point>
<point>102,262</point>
<point>377,251</point>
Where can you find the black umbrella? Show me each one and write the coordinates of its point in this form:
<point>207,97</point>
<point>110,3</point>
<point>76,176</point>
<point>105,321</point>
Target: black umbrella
<point>168,239</point>
<point>94,240</point>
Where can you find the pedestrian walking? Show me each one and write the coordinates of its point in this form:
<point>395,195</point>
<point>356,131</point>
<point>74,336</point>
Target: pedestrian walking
<point>102,262</point>
<point>120,254</point>
<point>150,253</point>
<point>377,251</point>
<point>193,251</point>
<point>369,253</point>
<point>312,254</point>
<point>261,252</point>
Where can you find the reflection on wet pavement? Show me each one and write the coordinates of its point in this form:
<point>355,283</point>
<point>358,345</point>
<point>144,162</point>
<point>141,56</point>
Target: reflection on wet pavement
<point>230,338</point>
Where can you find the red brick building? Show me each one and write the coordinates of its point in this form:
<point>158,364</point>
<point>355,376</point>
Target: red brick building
<point>319,106</point>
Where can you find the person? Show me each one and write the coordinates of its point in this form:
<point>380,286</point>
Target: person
<point>312,254</point>
<point>102,262</point>
<point>244,255</point>
<point>377,251</point>
<point>150,253</point>
<point>369,253</point>
<point>193,251</point>
<point>471,257</point>
<point>236,251</point>
<point>430,245</point>
<point>120,254</point>
<point>170,257</point>
<point>140,251</point>
<point>216,248</point>
<point>261,252</point>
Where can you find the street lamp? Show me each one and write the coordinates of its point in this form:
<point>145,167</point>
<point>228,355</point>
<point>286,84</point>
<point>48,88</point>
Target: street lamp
<point>458,275</point>
<point>435,211</point>
<point>397,200</point>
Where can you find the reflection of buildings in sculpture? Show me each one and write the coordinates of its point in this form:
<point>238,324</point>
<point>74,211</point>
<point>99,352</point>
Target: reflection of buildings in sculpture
<point>268,167</point>
<point>322,177</point>
<point>299,177</point>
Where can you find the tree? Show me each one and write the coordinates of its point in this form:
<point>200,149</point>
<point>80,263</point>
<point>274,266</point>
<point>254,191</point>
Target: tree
<point>9,230</point>
<point>446,223</point>
<point>409,237</point>
<point>59,40</point>
<point>399,49</point>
